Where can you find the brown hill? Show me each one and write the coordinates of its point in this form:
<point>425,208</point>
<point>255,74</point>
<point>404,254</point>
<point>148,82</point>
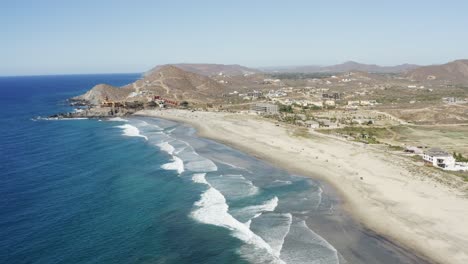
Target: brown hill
<point>173,82</point>
<point>455,72</point>
<point>210,69</point>
<point>102,91</point>
<point>168,81</point>
<point>348,66</point>
<point>355,66</point>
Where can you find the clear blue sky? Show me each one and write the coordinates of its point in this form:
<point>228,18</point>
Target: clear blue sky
<point>81,36</point>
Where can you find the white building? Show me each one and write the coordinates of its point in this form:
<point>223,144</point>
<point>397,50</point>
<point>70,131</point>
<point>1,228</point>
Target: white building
<point>439,158</point>
<point>263,108</point>
<point>316,103</point>
<point>312,124</point>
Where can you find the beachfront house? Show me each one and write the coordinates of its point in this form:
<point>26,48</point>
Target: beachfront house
<point>439,158</point>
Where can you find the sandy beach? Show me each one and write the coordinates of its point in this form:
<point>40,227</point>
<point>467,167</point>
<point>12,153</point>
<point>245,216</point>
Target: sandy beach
<point>387,193</point>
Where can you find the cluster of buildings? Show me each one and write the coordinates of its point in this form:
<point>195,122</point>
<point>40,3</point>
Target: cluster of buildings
<point>276,94</point>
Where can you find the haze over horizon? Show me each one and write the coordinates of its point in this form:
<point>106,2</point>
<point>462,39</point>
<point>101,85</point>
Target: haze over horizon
<point>54,37</point>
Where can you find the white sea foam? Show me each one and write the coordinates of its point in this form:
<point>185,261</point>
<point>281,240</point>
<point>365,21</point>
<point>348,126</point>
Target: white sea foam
<point>117,119</point>
<point>131,131</point>
<point>311,247</point>
<point>273,228</point>
<point>58,118</point>
<point>232,165</point>
<point>193,161</point>
<point>278,245</point>
<point>170,131</point>
<point>319,193</point>
<point>201,165</point>
<point>254,211</point>
<point>177,164</point>
<point>200,178</point>
<point>282,182</point>
<point>212,209</point>
<point>234,186</point>
<point>165,146</point>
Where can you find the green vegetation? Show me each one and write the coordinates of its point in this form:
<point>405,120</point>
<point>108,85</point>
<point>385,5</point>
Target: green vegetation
<point>459,157</point>
<point>285,108</point>
<point>184,104</point>
<point>290,119</point>
<point>396,148</point>
<point>367,135</point>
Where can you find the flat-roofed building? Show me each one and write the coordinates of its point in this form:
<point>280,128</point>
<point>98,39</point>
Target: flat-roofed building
<point>264,108</point>
<point>439,158</point>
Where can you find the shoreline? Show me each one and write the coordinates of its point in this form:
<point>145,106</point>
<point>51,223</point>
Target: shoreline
<point>383,194</point>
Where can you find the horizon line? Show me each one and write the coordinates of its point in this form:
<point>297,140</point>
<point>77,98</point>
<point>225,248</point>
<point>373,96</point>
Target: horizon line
<point>237,64</point>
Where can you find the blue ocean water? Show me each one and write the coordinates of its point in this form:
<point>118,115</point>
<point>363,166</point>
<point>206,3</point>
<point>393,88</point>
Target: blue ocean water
<point>128,191</point>
<point>143,190</point>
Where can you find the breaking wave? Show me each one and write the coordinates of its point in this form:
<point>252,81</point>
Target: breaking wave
<point>117,119</point>
<point>212,209</point>
<point>269,231</point>
<point>131,131</point>
<point>177,164</point>
<point>166,147</point>
<point>234,186</point>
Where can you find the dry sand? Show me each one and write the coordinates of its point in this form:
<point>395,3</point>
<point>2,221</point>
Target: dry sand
<point>383,191</point>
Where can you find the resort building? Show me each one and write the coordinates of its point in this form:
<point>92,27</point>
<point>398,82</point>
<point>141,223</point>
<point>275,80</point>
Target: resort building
<point>263,108</point>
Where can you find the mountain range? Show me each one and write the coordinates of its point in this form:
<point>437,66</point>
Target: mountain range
<point>209,82</point>
<point>210,69</point>
<point>344,67</point>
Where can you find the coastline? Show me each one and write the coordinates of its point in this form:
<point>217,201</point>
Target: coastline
<point>384,193</point>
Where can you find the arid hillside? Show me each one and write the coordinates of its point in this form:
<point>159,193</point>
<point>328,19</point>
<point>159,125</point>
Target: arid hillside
<point>168,81</point>
<point>209,69</point>
<point>101,91</point>
<point>455,72</point>
<point>345,67</point>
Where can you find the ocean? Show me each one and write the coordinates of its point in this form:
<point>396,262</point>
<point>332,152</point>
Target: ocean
<point>145,190</point>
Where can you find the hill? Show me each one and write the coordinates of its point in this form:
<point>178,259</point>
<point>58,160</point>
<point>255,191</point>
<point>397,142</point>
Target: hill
<point>210,69</point>
<point>455,72</point>
<point>173,82</point>
<point>355,66</point>
<point>346,67</point>
<point>101,91</point>
<point>166,81</point>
